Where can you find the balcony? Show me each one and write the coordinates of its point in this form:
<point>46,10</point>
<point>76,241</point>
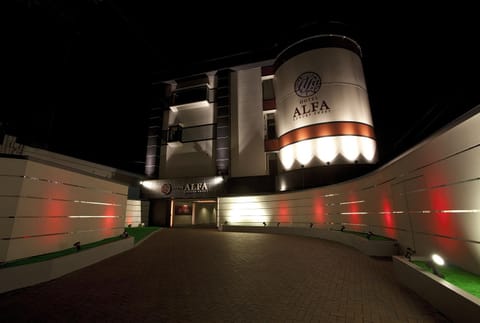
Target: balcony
<point>191,98</point>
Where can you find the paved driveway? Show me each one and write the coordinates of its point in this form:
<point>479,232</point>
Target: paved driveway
<point>203,275</point>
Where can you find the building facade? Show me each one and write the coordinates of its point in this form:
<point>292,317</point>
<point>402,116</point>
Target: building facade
<point>299,119</point>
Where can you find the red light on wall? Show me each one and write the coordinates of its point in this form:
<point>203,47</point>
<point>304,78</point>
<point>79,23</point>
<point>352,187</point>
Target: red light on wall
<point>283,212</point>
<point>387,212</point>
<point>318,209</point>
<point>354,209</point>
<point>110,216</point>
<point>442,221</point>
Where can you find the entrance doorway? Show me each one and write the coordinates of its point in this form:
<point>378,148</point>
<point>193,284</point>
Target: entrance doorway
<point>187,212</point>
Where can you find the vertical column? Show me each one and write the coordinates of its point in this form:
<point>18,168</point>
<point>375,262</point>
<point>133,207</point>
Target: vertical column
<point>160,102</point>
<point>222,99</point>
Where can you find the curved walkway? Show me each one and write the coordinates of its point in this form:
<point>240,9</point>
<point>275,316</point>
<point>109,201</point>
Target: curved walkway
<point>203,275</point>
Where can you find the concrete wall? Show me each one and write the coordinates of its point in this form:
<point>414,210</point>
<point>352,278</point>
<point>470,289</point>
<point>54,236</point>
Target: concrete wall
<point>45,209</point>
<point>427,199</point>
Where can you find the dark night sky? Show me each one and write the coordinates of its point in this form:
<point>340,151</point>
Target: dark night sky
<point>79,73</point>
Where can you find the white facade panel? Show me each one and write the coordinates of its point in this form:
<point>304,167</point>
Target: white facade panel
<point>323,112</point>
<point>190,159</point>
<point>56,208</point>
<point>247,149</point>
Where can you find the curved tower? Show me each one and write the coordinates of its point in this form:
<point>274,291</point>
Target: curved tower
<point>323,112</point>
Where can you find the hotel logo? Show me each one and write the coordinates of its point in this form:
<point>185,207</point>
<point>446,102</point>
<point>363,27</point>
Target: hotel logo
<point>307,84</point>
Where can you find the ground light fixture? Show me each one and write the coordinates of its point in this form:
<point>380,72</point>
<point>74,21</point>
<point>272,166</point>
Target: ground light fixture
<point>409,253</point>
<point>435,262</point>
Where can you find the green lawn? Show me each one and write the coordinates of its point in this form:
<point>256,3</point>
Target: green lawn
<point>141,233</point>
<point>138,234</point>
<point>463,279</point>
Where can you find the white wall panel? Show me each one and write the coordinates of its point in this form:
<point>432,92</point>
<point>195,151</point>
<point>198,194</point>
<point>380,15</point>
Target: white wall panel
<point>56,207</point>
<point>10,185</point>
<point>8,205</point>
<point>247,149</point>
<point>12,166</point>
<point>133,215</point>
<point>427,199</point>
<point>191,159</point>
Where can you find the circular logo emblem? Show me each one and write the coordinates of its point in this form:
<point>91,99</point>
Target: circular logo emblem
<point>166,188</point>
<point>307,84</point>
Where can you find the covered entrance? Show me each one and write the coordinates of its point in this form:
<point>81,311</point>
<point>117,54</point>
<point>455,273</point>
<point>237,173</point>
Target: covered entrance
<point>188,212</point>
<point>183,201</point>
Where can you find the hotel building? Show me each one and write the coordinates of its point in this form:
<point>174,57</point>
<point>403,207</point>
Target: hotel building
<point>287,142</point>
<point>296,120</point>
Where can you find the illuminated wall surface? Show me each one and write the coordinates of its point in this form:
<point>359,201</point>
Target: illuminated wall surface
<point>45,209</point>
<point>427,199</point>
<point>323,113</point>
<point>136,213</point>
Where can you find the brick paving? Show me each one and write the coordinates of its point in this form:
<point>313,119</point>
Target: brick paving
<point>203,275</point>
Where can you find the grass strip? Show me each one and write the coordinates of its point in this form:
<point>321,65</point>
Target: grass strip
<point>138,234</point>
<point>463,279</point>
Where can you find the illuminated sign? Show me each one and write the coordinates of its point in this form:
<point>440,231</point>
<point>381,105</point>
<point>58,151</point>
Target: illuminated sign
<point>166,188</point>
<point>195,188</point>
<point>306,87</point>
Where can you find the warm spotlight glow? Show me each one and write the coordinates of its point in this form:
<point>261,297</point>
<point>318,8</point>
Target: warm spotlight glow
<point>188,106</point>
<point>149,184</point>
<point>218,180</point>
<point>349,147</point>
<point>287,157</point>
<point>304,151</point>
<point>326,149</point>
<point>367,147</point>
<point>438,259</point>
